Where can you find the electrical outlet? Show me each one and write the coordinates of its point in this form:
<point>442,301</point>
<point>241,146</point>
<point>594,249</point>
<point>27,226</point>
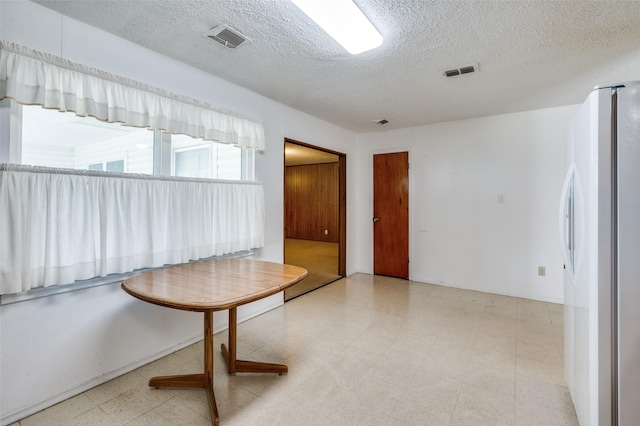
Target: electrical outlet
<point>326,232</point>
<point>501,198</point>
<point>542,271</point>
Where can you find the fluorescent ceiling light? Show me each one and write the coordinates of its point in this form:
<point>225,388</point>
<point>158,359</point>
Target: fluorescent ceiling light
<point>343,21</point>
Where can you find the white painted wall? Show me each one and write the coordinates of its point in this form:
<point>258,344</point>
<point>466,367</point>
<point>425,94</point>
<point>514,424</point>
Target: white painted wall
<point>460,235</point>
<point>54,347</point>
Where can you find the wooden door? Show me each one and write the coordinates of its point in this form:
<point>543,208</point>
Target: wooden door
<point>391,214</point>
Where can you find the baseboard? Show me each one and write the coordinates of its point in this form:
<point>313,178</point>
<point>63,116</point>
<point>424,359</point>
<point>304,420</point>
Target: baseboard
<point>538,298</point>
<point>110,375</point>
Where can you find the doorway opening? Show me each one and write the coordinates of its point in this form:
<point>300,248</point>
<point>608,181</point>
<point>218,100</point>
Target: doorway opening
<point>314,214</point>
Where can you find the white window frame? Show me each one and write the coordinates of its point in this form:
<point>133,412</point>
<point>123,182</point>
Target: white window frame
<point>11,132</point>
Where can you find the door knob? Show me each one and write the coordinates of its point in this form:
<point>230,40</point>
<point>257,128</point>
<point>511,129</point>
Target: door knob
<point>375,219</point>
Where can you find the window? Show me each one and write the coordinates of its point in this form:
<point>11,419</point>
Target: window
<point>193,161</point>
<point>109,166</point>
<point>198,158</point>
<point>72,225</point>
<point>61,139</point>
<point>81,234</point>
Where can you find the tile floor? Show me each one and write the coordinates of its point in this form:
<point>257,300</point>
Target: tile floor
<point>361,351</point>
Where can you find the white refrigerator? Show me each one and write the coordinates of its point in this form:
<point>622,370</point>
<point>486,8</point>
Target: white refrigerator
<point>600,227</point>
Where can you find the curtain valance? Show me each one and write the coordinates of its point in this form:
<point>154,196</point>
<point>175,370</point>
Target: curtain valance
<point>59,226</point>
<point>36,78</point>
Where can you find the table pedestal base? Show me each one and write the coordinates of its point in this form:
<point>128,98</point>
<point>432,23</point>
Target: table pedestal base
<point>238,366</point>
<point>203,380</point>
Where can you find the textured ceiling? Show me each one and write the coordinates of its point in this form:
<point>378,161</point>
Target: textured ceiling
<point>532,54</point>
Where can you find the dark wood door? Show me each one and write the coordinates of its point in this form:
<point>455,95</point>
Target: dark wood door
<point>391,214</point>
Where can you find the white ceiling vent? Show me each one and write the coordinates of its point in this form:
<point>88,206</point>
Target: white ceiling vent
<point>461,70</point>
<point>226,36</point>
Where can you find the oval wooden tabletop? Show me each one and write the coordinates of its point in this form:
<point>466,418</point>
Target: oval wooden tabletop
<point>213,285</point>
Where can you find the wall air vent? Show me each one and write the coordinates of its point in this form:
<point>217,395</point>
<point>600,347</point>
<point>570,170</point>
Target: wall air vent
<point>226,36</point>
<point>461,70</point>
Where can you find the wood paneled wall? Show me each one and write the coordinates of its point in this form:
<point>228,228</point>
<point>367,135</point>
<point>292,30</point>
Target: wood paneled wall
<point>311,202</point>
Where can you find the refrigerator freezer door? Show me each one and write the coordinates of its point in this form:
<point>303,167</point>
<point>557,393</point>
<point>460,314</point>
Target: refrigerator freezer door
<point>628,251</point>
<point>588,300</point>
<point>578,339</point>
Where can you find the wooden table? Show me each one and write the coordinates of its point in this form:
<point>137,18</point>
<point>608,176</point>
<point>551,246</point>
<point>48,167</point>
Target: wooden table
<point>214,286</point>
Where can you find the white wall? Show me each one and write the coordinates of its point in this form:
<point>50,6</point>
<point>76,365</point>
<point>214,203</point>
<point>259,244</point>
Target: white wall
<point>57,346</point>
<point>460,235</point>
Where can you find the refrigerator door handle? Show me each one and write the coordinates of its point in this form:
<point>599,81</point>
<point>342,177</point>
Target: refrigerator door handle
<point>567,220</point>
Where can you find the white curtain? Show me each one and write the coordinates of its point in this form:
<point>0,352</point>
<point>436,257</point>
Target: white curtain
<point>35,78</point>
<point>58,226</point>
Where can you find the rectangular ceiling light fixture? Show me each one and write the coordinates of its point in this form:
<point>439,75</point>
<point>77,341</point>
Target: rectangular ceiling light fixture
<point>343,21</point>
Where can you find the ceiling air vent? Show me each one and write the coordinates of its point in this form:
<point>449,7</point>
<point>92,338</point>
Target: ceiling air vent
<point>381,122</point>
<point>462,70</point>
<point>226,36</point>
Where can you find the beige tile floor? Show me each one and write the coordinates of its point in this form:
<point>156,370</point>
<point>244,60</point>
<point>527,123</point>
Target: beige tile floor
<point>362,351</point>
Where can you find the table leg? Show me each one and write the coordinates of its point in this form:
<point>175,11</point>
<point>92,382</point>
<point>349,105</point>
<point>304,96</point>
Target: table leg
<point>239,366</point>
<point>204,380</point>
